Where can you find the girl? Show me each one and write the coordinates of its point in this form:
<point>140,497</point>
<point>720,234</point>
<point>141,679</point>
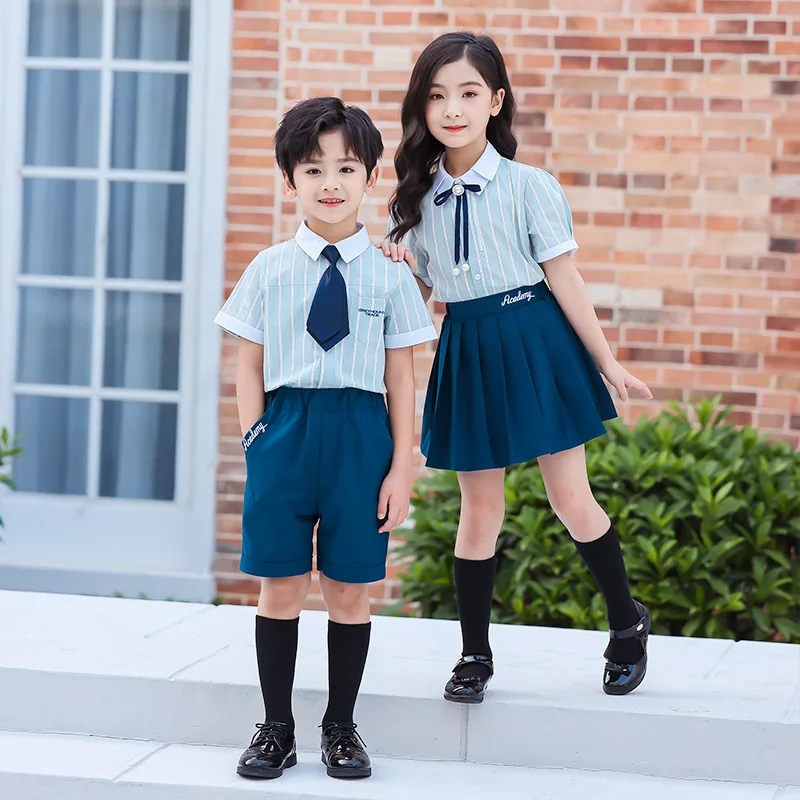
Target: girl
<point>516,370</point>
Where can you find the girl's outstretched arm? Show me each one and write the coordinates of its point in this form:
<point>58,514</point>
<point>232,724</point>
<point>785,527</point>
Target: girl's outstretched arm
<point>573,297</point>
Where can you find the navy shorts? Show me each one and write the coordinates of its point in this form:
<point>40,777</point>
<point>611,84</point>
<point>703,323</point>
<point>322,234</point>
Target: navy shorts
<point>316,456</point>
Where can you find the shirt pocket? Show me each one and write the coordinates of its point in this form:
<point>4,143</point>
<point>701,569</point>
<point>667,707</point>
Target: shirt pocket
<point>367,312</point>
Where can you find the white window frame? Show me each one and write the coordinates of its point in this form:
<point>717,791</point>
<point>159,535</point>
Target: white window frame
<point>106,545</point>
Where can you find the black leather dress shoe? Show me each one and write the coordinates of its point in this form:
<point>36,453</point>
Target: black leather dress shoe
<point>344,752</point>
<point>271,752</point>
<point>624,678</point>
<point>470,688</point>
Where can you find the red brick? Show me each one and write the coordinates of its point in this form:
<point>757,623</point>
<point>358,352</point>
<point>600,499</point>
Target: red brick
<point>770,28</point>
<point>596,43</point>
<point>730,26</point>
<point>739,46</point>
<point>783,323</point>
<point>688,65</point>
<point>662,45</point>
<point>651,64</point>
<point>764,67</point>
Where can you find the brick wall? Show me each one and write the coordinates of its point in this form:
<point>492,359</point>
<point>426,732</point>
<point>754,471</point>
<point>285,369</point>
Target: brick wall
<point>674,126</point>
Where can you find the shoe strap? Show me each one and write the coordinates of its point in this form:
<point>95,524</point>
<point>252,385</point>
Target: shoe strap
<point>474,660</point>
<point>638,630</point>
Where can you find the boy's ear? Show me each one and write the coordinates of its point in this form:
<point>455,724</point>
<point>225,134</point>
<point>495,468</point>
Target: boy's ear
<point>288,189</point>
<point>372,181</point>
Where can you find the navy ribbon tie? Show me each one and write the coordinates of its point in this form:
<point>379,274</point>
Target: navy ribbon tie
<point>459,190</point>
<point>327,320</point>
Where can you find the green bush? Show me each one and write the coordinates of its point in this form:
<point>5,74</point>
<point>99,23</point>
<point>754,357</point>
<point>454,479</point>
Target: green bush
<point>709,520</point>
<point>8,449</point>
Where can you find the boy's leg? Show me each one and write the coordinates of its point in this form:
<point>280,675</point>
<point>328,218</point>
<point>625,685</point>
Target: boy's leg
<point>349,629</point>
<point>343,751</point>
<point>276,642</point>
<point>273,748</point>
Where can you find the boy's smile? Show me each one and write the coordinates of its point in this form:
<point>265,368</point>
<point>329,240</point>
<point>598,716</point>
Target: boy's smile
<point>330,186</point>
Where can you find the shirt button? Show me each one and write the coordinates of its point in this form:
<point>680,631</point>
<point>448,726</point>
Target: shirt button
<point>478,276</point>
<point>465,267</point>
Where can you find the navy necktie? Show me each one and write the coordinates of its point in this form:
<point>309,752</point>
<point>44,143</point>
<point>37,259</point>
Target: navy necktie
<point>327,320</point>
<point>459,190</point>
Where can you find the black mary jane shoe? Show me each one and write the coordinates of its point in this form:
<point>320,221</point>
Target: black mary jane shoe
<point>344,752</point>
<point>469,689</point>
<point>624,678</point>
<point>272,751</point>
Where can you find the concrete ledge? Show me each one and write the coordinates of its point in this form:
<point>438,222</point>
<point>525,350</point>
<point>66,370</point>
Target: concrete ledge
<point>91,768</point>
<point>186,673</point>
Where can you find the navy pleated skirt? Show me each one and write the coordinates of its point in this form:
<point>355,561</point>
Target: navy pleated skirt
<point>511,381</point>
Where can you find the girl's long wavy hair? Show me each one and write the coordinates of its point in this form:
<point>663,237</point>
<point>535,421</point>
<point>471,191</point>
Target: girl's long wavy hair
<point>419,151</point>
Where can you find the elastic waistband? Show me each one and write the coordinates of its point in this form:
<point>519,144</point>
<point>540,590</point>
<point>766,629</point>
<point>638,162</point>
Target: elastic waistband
<point>498,303</point>
<point>325,400</point>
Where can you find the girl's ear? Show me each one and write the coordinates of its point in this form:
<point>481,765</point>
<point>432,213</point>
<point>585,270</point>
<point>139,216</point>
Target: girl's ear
<point>497,102</point>
<point>288,189</point>
<point>372,180</point>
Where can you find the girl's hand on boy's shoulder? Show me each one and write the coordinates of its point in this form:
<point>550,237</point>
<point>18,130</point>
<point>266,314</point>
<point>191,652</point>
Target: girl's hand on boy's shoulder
<point>397,252</point>
<point>625,383</point>
<point>393,499</point>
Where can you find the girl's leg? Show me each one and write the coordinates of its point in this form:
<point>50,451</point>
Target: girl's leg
<point>482,513</point>
<point>571,499</point>
<point>277,620</point>
<point>348,643</point>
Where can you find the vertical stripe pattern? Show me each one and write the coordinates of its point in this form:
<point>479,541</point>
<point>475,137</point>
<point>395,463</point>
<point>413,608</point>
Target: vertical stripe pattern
<point>270,304</point>
<point>519,220</point>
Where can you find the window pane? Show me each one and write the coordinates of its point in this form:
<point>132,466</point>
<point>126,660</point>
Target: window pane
<point>138,450</point>
<point>62,118</point>
<point>54,436</point>
<point>142,340</point>
<point>149,121</point>
<point>65,28</point>
<point>54,345</point>
<point>58,225</point>
<point>145,231</point>
<point>156,30</point>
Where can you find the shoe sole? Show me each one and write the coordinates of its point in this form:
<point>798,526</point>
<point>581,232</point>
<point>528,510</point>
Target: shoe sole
<point>346,773</point>
<point>266,772</point>
<point>472,701</point>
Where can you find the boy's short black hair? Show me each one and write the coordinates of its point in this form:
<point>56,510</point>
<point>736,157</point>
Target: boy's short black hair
<point>297,137</point>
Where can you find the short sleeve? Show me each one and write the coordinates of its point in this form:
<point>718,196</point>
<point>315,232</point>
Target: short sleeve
<point>421,258</point>
<point>407,322</point>
<point>243,312</point>
<point>548,216</point>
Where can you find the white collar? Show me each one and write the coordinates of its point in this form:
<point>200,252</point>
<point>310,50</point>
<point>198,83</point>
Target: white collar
<point>484,170</point>
<point>349,249</point>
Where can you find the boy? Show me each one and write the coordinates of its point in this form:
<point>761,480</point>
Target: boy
<point>327,324</point>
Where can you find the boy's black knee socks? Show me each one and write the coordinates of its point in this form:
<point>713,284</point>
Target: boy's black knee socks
<point>276,651</point>
<point>348,646</point>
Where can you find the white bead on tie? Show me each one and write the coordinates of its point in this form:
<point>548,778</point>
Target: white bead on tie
<point>458,189</point>
<point>465,267</point>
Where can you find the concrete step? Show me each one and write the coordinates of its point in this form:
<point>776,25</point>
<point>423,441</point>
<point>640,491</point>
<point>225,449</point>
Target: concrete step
<point>186,673</point>
<point>44,766</point>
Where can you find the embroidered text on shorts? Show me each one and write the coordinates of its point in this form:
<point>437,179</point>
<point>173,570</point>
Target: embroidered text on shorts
<point>252,433</point>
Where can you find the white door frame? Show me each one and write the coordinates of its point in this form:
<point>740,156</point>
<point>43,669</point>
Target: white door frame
<point>103,545</point>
